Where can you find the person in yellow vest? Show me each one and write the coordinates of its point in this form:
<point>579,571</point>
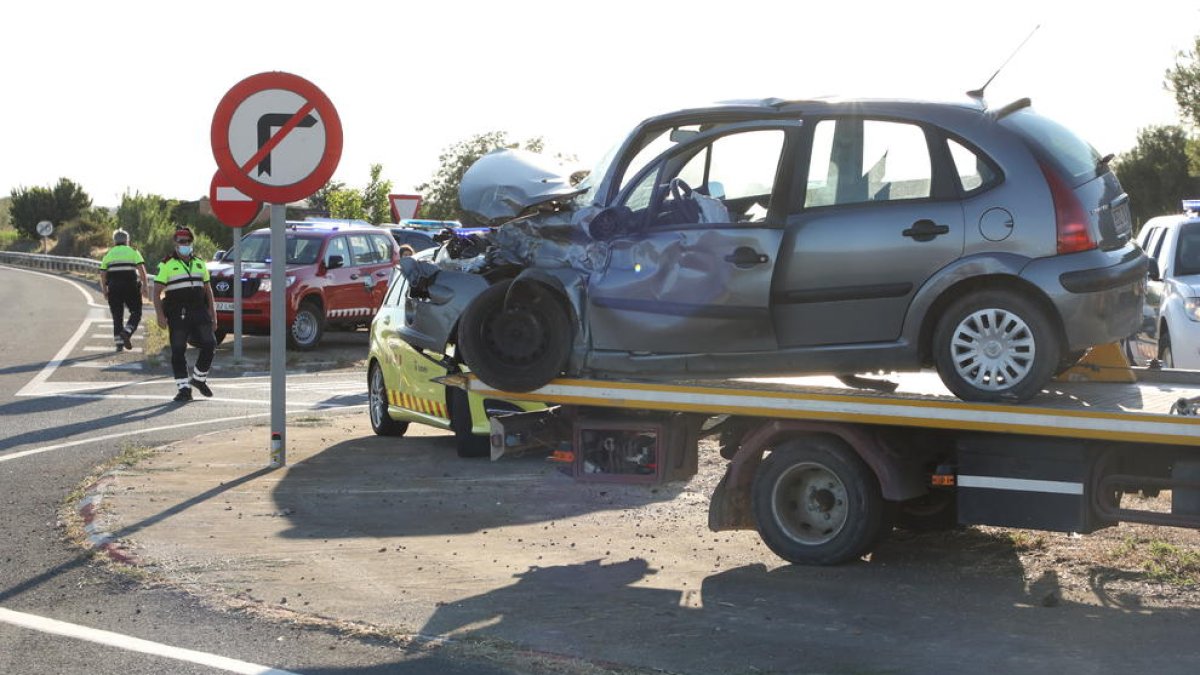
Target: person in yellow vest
<point>122,281</point>
<point>183,304</point>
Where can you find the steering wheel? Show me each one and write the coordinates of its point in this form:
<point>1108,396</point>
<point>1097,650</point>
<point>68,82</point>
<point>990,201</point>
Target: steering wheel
<point>682,202</point>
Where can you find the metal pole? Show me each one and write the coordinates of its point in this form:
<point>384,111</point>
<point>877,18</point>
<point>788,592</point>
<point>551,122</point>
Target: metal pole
<point>237,294</point>
<point>278,335</point>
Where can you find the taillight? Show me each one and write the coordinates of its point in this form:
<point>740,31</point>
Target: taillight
<point>1071,220</point>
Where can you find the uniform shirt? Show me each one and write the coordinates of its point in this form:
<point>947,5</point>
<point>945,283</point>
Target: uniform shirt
<point>184,281</point>
<point>121,263</point>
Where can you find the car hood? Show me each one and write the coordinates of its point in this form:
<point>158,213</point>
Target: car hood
<point>1192,282</point>
<point>503,183</point>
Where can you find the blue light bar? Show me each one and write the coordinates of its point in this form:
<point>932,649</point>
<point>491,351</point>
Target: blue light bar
<point>1192,205</point>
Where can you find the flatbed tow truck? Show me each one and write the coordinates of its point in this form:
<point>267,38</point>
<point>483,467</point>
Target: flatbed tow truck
<point>823,470</point>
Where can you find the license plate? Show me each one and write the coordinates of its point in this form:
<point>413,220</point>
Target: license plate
<point>224,306</point>
<point>1122,223</point>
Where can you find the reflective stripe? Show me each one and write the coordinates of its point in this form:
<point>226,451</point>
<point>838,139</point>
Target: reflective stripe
<point>176,285</point>
<point>182,384</point>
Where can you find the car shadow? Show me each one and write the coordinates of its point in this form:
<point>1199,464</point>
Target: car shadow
<point>414,486</point>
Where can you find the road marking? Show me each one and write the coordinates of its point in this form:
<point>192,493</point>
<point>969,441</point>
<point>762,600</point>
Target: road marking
<point>109,349</point>
<point>132,644</point>
<point>109,337</point>
<point>123,434</point>
<point>40,379</point>
<point>86,295</point>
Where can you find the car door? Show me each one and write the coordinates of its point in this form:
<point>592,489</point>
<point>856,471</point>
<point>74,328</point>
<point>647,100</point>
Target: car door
<point>375,274</point>
<point>676,281</point>
<point>1145,341</point>
<point>339,286</point>
<point>359,300</point>
<point>872,227</point>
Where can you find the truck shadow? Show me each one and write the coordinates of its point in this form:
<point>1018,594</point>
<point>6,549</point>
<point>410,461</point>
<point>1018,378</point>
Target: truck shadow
<point>906,612</point>
<point>414,486</point>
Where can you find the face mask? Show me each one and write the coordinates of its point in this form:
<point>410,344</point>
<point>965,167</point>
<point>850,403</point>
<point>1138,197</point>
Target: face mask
<point>184,249</point>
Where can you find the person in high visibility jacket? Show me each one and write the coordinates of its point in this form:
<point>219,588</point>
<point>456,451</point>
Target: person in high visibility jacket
<point>183,303</point>
<point>123,281</point>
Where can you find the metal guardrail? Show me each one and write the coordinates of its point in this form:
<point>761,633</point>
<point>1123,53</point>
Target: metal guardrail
<point>50,262</point>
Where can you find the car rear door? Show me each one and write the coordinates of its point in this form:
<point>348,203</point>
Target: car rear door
<point>678,282</point>
<point>870,231</point>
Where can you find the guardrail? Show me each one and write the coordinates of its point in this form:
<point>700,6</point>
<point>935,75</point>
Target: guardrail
<point>50,262</point>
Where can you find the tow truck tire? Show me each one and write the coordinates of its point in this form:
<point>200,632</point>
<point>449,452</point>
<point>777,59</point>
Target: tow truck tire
<point>307,327</point>
<point>518,347</point>
<point>377,405</point>
<point>969,351</point>
<point>816,502</point>
<point>466,443</point>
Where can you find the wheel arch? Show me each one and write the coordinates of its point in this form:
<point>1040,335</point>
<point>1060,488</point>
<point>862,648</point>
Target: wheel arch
<point>990,282</point>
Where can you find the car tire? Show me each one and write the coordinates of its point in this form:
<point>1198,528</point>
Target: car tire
<point>816,502</point>
<point>995,346</point>
<point>518,347</point>
<point>466,443</point>
<point>307,327</point>
<point>377,405</point>
<point>219,335</point>
<point>1165,355</point>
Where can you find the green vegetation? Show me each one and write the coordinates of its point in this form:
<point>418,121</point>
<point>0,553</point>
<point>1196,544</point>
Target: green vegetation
<point>440,194</point>
<point>1160,561</point>
<point>369,204</point>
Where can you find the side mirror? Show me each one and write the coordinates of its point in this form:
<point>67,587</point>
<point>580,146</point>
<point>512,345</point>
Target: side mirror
<point>610,223</point>
<point>1152,271</point>
<point>219,256</point>
<point>334,262</point>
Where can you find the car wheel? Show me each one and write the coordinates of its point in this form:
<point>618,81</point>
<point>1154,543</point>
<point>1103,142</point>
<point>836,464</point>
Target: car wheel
<point>377,405</point>
<point>466,443</point>
<point>817,503</point>
<point>516,343</point>
<point>1164,351</point>
<point>306,329</point>
<point>995,346</point>
<point>219,335</point>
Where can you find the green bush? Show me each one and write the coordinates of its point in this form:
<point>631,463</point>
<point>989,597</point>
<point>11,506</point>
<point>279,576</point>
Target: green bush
<point>8,239</point>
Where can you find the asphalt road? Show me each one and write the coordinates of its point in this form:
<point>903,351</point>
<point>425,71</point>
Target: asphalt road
<point>68,404</point>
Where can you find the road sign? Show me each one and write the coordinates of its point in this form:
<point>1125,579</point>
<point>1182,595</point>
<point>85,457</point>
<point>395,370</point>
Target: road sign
<point>45,228</point>
<point>229,204</point>
<point>404,206</point>
<point>276,137</point>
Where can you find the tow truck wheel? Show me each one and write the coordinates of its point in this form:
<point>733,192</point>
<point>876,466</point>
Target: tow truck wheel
<point>377,405</point>
<point>466,443</point>
<point>518,341</point>
<point>995,346</point>
<point>817,503</point>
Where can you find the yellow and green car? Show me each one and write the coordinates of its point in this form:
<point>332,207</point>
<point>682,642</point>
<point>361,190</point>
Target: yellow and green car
<point>402,390</point>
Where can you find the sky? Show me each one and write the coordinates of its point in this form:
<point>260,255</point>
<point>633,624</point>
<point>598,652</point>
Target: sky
<point>119,96</point>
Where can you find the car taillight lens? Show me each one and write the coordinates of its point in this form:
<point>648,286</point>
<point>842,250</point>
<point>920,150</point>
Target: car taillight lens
<point>1071,221</point>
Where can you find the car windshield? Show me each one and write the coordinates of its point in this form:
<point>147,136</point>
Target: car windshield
<point>300,250</point>
<point>1187,252</point>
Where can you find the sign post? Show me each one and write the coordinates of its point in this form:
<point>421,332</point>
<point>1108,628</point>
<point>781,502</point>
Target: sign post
<point>277,138</point>
<point>236,210</point>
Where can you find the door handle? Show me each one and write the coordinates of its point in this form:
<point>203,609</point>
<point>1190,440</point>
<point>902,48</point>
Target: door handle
<point>925,230</point>
<point>353,276</point>
<point>744,256</point>
<point>381,273</point>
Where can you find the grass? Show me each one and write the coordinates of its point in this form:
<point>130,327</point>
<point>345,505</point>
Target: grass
<point>1026,541</point>
<point>1160,561</point>
<point>157,339</point>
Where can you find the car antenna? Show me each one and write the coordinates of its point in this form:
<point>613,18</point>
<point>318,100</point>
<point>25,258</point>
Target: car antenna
<point>977,94</point>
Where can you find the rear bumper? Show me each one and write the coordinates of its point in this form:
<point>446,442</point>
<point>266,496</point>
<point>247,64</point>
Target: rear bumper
<point>1099,294</point>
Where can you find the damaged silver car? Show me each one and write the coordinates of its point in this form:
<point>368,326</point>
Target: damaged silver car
<point>792,237</point>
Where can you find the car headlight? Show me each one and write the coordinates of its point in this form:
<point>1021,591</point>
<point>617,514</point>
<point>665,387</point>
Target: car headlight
<point>265,284</point>
<point>1191,307</point>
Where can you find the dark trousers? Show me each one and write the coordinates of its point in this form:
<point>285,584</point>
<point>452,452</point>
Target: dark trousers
<point>195,326</point>
<point>124,297</point>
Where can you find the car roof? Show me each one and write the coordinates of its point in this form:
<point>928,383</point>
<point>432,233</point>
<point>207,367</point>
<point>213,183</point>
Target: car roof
<point>816,105</point>
<point>323,227</point>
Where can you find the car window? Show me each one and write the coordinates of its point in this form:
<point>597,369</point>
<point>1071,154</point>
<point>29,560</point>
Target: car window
<point>383,246</point>
<point>300,250</point>
<point>395,290</point>
<point>1071,155</point>
<point>417,240</point>
<point>855,161</point>
<point>337,246</point>
<point>1154,241</point>
<point>1187,251</point>
<point>974,172</point>
<point>361,250</point>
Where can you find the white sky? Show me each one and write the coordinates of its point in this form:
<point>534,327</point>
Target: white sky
<point>120,95</point>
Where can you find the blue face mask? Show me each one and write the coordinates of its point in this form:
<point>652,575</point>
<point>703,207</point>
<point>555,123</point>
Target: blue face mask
<point>184,249</point>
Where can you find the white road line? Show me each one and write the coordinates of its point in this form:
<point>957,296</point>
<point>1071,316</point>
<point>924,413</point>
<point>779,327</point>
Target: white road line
<point>109,337</point>
<point>109,349</point>
<point>62,354</point>
<point>123,434</point>
<point>132,644</point>
<point>87,296</point>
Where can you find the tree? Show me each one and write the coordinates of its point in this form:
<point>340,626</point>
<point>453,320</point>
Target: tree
<point>1184,81</point>
<point>375,197</point>
<point>59,204</point>
<point>347,204</point>
<point>1155,172</point>
<point>440,194</point>
<point>319,201</point>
